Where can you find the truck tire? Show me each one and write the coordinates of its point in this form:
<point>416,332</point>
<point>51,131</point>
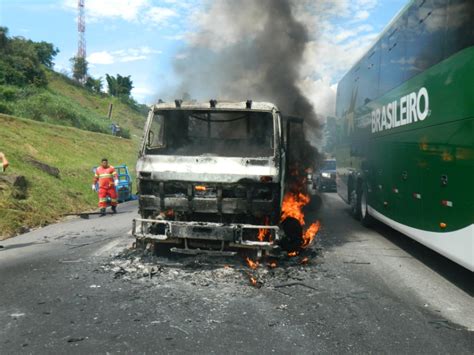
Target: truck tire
<point>365,218</point>
<point>293,238</point>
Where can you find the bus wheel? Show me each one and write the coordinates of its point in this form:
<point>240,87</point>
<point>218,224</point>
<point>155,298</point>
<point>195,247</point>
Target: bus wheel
<point>365,218</point>
<point>355,204</point>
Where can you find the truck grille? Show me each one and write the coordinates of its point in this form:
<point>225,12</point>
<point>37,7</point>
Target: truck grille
<point>208,191</point>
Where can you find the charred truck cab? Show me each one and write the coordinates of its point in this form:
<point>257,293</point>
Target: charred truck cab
<point>211,177</point>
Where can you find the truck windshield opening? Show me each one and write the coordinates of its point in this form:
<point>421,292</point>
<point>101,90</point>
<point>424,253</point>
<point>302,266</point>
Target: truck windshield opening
<point>196,133</point>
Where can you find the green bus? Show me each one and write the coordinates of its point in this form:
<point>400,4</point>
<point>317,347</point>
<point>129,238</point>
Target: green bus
<point>405,117</point>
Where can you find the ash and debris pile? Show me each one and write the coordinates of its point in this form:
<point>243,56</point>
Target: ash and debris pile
<point>200,271</point>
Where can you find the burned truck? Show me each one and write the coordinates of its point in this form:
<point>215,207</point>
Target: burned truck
<point>211,177</point>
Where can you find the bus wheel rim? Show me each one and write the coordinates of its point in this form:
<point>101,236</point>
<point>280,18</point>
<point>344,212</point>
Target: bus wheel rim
<point>363,205</point>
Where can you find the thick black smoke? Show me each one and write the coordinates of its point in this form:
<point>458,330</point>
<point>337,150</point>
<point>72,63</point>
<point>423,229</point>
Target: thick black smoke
<point>249,49</point>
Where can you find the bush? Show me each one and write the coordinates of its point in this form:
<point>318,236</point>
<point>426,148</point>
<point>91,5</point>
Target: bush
<point>5,108</point>
<point>124,133</point>
<point>8,93</point>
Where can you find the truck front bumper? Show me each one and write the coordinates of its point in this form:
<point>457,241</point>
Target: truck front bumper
<point>231,236</point>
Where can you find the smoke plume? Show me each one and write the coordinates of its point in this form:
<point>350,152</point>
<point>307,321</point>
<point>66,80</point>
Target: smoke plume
<point>248,49</point>
<point>251,49</point>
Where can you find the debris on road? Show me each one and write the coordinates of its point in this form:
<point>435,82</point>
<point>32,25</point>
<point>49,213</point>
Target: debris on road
<point>17,315</point>
<point>229,274</point>
<point>355,262</point>
<point>75,340</point>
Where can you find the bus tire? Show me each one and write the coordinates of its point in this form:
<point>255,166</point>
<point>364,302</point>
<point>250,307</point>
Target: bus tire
<point>355,204</point>
<point>365,218</point>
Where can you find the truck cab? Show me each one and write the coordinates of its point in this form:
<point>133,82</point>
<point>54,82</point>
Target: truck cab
<point>211,176</point>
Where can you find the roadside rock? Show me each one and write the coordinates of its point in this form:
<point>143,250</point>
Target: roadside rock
<point>51,170</point>
<point>17,184</point>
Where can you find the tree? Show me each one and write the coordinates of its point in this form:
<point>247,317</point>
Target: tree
<point>94,84</point>
<point>19,62</point>
<point>79,68</point>
<point>3,37</point>
<point>46,52</point>
<point>119,86</point>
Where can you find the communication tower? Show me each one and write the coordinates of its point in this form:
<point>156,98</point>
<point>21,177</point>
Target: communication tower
<point>81,29</point>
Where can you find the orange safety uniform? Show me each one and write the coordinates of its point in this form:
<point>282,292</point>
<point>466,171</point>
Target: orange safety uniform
<point>106,177</point>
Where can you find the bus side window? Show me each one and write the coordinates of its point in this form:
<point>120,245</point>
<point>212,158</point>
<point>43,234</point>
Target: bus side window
<point>393,57</point>
<point>369,74</point>
<point>459,26</point>
<point>425,35</point>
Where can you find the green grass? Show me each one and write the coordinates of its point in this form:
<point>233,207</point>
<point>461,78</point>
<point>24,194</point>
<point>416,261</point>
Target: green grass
<point>73,151</point>
<point>64,102</point>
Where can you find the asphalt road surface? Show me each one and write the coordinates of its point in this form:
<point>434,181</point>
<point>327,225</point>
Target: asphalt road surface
<point>74,287</point>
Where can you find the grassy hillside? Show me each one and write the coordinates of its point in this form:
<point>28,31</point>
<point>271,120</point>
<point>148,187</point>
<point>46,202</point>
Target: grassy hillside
<point>73,151</point>
<point>131,118</point>
<point>64,102</point>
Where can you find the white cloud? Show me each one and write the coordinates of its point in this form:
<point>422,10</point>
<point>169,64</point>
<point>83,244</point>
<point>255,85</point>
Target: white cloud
<point>345,33</point>
<point>122,56</point>
<point>127,10</point>
<point>176,37</point>
<point>132,58</point>
<point>362,15</point>
<point>140,11</point>
<point>142,93</point>
<point>159,15</point>
<point>181,56</point>
<point>366,3</point>
<point>102,57</point>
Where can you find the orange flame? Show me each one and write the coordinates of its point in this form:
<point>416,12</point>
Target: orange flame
<point>200,188</point>
<point>293,204</point>
<point>252,264</point>
<point>272,264</point>
<point>253,281</point>
<point>304,260</point>
<point>263,233</point>
<point>292,254</point>
<point>310,233</point>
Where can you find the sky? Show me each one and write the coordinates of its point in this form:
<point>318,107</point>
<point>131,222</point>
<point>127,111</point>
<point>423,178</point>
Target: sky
<point>143,38</point>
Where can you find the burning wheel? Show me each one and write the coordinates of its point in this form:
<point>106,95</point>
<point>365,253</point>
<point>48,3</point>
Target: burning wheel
<point>293,234</point>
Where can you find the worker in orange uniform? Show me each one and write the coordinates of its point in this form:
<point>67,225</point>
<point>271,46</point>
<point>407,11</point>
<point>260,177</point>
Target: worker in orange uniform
<point>107,178</point>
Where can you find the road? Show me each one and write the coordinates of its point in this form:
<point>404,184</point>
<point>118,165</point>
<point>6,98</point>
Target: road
<point>74,287</point>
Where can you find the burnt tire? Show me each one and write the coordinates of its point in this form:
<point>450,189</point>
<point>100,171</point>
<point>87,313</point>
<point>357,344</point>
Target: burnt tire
<point>293,234</point>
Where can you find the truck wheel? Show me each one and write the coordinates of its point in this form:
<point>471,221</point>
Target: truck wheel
<point>293,234</point>
<point>365,218</point>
